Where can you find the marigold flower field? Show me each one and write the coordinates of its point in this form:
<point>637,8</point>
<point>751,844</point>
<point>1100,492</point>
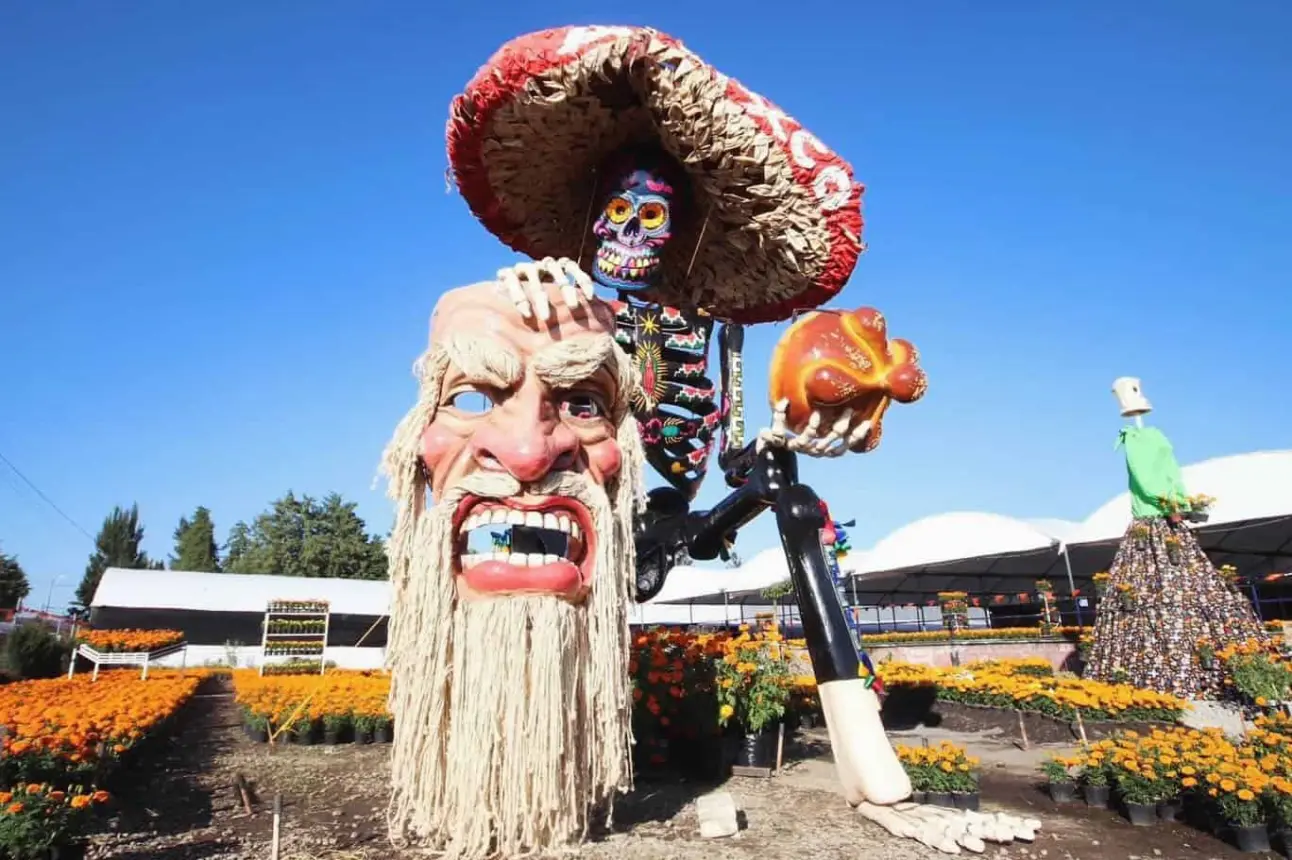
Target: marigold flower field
<point>62,739</point>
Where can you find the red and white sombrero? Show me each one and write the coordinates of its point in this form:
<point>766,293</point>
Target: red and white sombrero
<point>778,215</point>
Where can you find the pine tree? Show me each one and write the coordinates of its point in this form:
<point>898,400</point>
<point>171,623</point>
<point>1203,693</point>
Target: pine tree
<point>118,545</point>
<point>13,582</point>
<point>195,547</point>
<point>301,536</point>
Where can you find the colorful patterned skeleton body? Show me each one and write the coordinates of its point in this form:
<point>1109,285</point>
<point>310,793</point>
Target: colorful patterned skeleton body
<point>677,409</point>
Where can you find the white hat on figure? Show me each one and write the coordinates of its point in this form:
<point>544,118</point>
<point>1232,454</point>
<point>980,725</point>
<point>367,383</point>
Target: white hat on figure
<point>1130,397</point>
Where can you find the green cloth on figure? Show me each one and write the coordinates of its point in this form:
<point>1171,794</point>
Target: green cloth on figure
<point>1153,470</point>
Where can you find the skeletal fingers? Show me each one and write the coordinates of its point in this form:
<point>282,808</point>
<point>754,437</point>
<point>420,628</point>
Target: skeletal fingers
<point>526,285</point>
<point>951,830</point>
<point>777,435</point>
<point>844,432</point>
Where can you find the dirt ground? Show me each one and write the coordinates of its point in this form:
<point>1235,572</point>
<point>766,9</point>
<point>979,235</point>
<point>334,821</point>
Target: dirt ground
<point>182,805</point>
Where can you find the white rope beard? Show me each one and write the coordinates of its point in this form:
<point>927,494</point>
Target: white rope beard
<point>542,734</point>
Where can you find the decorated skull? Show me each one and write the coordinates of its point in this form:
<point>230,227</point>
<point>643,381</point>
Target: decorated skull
<point>639,197</point>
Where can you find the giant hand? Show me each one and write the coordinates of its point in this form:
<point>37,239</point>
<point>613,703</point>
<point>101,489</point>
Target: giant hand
<point>838,370</point>
<point>527,286</point>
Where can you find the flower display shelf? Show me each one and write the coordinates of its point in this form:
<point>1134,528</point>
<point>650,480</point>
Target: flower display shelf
<point>295,629</point>
<point>143,659</point>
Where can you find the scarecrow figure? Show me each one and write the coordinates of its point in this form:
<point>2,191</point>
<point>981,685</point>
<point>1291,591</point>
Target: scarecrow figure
<point>615,156</point>
<point>1165,608</point>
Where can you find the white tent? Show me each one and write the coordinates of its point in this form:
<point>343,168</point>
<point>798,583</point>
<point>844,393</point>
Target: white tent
<point>959,551</point>
<point>1247,487</point>
<point>1250,527</point>
<point>234,592</point>
<point>743,584</point>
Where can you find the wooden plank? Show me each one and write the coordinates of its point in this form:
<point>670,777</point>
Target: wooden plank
<point>758,772</point>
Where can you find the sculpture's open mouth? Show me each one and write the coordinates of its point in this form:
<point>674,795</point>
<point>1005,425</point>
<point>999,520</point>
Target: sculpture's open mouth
<point>629,265</point>
<point>516,546</point>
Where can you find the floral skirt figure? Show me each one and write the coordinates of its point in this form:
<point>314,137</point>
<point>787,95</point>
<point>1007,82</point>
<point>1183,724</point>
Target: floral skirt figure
<point>1161,599</point>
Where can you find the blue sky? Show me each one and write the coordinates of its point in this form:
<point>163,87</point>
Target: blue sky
<point>223,227</point>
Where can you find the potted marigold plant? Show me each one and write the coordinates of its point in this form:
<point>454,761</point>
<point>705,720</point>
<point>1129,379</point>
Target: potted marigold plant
<point>955,610</point>
<point>303,731</point>
<point>256,726</point>
<point>962,779</point>
<point>1173,548</point>
<point>1260,675</point>
<point>1199,508</point>
<point>1085,642</point>
<point>916,762</point>
<point>753,682</point>
<point>334,726</point>
<point>363,728</point>
<point>1100,580</point>
<point>382,729</point>
<point>1059,778</point>
<point>1141,790</point>
<point>1094,780</point>
<point>1243,810</point>
<point>1206,653</point>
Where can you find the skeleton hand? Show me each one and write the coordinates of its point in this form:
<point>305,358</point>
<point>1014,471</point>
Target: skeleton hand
<point>846,431</point>
<point>950,830</point>
<point>527,289</point>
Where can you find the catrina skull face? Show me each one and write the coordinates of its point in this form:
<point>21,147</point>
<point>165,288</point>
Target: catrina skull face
<point>634,226</point>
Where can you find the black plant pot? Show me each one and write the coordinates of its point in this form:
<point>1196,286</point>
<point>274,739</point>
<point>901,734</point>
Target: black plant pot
<point>1096,795</point>
<point>381,735</point>
<point>940,798</point>
<point>919,796</point>
<point>757,749</point>
<point>258,734</point>
<point>331,737</point>
<point>1253,839</point>
<point>363,736</point>
<point>966,800</point>
<point>1170,810</point>
<point>1141,814</point>
<point>1283,839</point>
<point>1063,792</point>
<point>305,738</point>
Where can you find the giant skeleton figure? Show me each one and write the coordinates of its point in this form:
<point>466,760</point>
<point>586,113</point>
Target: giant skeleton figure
<point>641,194</point>
<point>614,155</point>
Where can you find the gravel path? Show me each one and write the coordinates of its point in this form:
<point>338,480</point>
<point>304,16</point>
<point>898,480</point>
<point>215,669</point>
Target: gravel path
<point>181,805</point>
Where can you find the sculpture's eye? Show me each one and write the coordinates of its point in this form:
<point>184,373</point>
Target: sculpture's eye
<point>470,401</point>
<point>619,210</point>
<point>583,406</point>
<point>653,215</point>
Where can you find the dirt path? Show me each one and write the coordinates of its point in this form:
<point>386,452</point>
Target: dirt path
<point>181,805</point>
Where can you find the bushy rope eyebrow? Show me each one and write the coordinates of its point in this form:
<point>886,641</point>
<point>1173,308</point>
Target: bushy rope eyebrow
<point>484,361</point>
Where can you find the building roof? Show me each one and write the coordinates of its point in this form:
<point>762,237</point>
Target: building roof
<point>235,592</point>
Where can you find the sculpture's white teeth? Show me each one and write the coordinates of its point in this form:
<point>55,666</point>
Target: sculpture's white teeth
<point>493,532</point>
<point>520,559</point>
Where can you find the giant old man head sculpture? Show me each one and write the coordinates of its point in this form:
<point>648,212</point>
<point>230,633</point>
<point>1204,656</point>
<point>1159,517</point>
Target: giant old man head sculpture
<point>509,635</point>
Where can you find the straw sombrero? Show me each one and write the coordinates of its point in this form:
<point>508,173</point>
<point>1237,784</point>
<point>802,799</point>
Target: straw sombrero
<point>777,216</point>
